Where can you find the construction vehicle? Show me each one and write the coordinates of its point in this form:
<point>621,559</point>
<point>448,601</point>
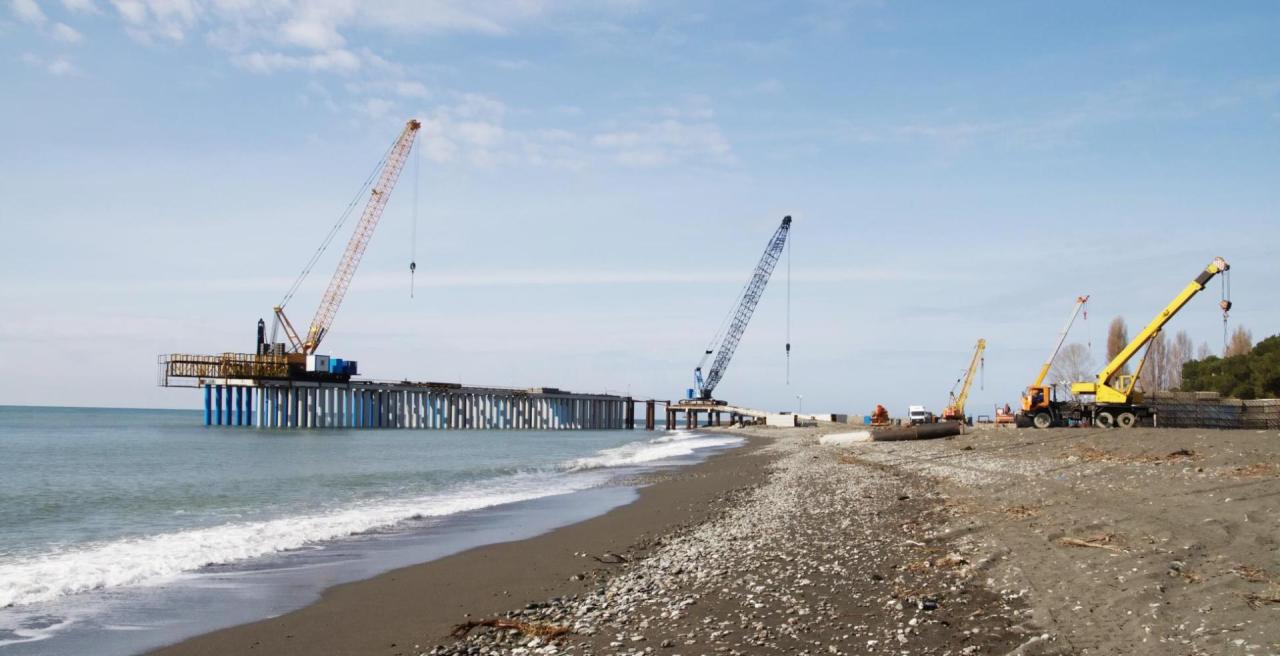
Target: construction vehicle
<point>880,416</point>
<point>956,402</point>
<point>917,414</point>
<point>737,320</point>
<point>297,358</point>
<point>1039,396</point>
<point>1115,400</point>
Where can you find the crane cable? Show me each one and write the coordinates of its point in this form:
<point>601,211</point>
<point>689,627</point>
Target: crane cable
<point>413,233</point>
<point>789,312</point>
<point>342,219</point>
<point>1225,304</point>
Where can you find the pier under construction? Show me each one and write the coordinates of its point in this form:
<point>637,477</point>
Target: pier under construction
<point>289,383</point>
<point>441,406</point>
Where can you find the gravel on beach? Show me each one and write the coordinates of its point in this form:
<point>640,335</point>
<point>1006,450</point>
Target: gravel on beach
<point>829,555</point>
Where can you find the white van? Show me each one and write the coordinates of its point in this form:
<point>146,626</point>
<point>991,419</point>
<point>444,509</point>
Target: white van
<point>918,415</point>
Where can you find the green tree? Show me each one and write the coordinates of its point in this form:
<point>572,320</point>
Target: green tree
<point>1266,367</point>
<point>1252,374</point>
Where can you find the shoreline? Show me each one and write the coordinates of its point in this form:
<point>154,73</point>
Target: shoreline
<point>419,604</point>
<point>1029,542</point>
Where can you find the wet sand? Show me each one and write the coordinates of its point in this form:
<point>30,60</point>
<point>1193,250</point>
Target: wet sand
<point>419,605</point>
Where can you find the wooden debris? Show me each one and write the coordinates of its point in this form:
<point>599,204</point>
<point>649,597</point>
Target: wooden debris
<point>1252,574</point>
<point>1256,470</point>
<point>536,629</point>
<point>1256,601</point>
<point>612,559</point>
<point>1022,510</point>
<point>1102,541</point>
<point>1094,454</point>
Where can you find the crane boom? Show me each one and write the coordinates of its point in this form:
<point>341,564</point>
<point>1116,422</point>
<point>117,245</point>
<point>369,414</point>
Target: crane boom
<point>955,410</point>
<point>1062,337</point>
<point>378,198</point>
<point>1103,388</point>
<point>742,314</point>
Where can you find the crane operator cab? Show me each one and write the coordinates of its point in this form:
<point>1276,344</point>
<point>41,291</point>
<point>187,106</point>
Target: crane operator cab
<point>1037,397</point>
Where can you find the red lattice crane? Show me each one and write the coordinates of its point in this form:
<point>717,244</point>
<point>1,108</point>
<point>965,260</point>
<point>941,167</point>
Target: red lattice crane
<point>333,295</point>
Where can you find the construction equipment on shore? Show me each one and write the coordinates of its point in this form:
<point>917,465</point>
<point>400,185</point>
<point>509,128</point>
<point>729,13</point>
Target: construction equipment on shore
<point>956,402</point>
<point>1038,395</point>
<point>880,416</point>
<point>297,358</point>
<point>738,318</point>
<point>1115,401</point>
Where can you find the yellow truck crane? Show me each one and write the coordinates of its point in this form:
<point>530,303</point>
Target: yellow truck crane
<point>955,406</point>
<point>1115,401</point>
<point>1038,395</point>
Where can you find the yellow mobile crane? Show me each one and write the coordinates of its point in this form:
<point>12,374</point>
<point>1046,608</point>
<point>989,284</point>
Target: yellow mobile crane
<point>1038,395</point>
<point>955,407</point>
<point>1115,401</point>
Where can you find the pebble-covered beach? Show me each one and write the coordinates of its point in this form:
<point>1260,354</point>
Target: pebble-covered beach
<point>1017,542</point>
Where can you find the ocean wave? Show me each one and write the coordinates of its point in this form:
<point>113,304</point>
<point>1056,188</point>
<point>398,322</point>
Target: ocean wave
<point>675,445</point>
<point>159,558</point>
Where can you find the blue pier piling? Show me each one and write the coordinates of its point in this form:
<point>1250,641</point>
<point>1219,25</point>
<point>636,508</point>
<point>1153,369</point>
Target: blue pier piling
<point>412,406</point>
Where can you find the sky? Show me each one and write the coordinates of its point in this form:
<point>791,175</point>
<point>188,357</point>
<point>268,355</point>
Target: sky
<point>595,181</point>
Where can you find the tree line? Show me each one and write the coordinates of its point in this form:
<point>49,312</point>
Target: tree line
<point>1244,370</point>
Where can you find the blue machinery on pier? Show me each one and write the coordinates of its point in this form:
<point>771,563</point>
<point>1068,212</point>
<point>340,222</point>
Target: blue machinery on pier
<point>299,404</point>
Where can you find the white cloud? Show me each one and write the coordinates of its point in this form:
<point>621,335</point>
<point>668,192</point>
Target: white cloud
<point>28,11</point>
<point>59,66</point>
<point>375,280</point>
<point>316,35</point>
<point>411,89</point>
<point>62,67</point>
<point>402,88</point>
<point>335,61</point>
<point>375,108</point>
<point>320,24</point>
<point>66,34</point>
<point>81,6</point>
<point>167,19</point>
<point>666,142</point>
<point>472,130</point>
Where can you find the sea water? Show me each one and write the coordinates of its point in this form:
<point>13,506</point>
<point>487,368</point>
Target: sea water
<point>122,530</point>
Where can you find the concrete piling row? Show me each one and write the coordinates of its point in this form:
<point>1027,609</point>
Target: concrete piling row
<point>374,405</point>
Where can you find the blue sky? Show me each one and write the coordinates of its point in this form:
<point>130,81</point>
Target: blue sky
<point>596,180</point>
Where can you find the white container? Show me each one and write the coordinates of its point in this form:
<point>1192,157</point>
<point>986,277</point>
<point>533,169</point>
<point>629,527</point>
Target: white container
<point>781,420</point>
<point>318,363</point>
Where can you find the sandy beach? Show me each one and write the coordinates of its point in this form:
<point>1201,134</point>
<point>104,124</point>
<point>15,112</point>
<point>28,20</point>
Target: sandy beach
<point>995,542</point>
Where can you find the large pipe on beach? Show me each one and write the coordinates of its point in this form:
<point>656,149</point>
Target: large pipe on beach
<point>917,432</point>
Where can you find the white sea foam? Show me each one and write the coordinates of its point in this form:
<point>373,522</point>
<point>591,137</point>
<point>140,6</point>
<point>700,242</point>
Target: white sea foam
<point>159,558</point>
<point>674,445</point>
